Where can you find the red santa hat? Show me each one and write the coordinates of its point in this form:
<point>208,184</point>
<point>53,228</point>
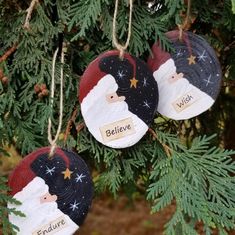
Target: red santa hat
<point>88,84</point>
<point>161,63</point>
<point>34,189</point>
<point>93,73</point>
<point>158,57</point>
<point>17,181</point>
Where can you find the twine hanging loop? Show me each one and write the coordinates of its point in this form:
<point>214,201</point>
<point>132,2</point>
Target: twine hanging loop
<point>119,46</point>
<point>186,21</point>
<point>50,138</point>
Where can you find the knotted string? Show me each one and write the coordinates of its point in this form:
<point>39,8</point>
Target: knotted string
<point>50,139</point>
<point>119,46</point>
<point>186,21</point>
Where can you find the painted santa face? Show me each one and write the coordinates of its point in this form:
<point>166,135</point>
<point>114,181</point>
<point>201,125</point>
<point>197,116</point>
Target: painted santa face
<point>188,78</point>
<point>56,196</point>
<point>118,99</point>
<point>110,109</point>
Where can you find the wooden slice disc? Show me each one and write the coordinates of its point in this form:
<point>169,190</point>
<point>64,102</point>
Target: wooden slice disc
<point>189,77</point>
<point>55,193</point>
<point>118,99</point>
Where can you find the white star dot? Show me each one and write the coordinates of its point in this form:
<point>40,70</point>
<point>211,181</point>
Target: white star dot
<point>202,56</point>
<point>74,206</point>
<point>208,80</point>
<point>179,53</point>
<point>146,104</point>
<point>120,74</point>
<point>145,82</point>
<point>79,178</point>
<point>50,171</point>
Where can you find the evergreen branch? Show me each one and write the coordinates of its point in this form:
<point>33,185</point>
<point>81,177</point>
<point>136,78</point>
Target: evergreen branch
<point>5,200</point>
<point>167,149</point>
<point>199,180</point>
<point>85,16</point>
<point>173,7</point>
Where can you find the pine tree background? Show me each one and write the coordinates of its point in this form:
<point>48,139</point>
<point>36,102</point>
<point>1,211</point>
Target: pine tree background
<point>176,162</point>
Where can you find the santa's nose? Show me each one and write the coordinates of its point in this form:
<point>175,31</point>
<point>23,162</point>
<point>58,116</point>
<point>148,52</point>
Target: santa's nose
<point>175,77</point>
<point>113,97</point>
<point>48,198</point>
<point>54,197</point>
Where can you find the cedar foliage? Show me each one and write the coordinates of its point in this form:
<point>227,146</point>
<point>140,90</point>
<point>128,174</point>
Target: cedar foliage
<point>176,164</point>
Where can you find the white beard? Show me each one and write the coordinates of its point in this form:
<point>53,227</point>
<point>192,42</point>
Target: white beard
<point>103,113</point>
<point>170,92</point>
<point>39,216</point>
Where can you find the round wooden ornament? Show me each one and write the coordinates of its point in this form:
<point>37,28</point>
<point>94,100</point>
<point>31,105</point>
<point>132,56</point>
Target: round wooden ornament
<point>56,193</point>
<point>118,99</point>
<point>189,77</point>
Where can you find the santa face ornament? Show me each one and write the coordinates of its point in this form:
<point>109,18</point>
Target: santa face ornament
<point>118,99</point>
<point>55,193</point>
<point>189,78</point>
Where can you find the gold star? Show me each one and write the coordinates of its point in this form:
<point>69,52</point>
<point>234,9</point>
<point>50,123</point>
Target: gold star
<point>191,60</point>
<point>133,82</point>
<point>67,173</point>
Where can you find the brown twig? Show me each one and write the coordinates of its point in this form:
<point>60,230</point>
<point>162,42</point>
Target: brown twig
<point>166,148</point>
<point>71,120</point>
<point>8,53</point>
<point>227,48</point>
<point>229,83</point>
<point>153,133</point>
<point>80,126</point>
<point>29,13</point>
